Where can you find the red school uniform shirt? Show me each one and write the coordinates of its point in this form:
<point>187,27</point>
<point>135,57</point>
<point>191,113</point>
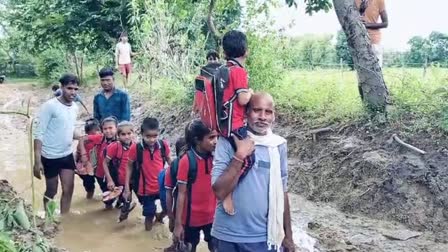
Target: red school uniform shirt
<point>116,150</point>
<point>203,200</point>
<point>89,145</point>
<point>238,82</point>
<point>100,144</point>
<point>152,165</point>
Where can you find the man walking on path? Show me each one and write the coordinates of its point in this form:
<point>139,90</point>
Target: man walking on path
<point>53,142</point>
<point>264,224</point>
<point>111,101</point>
<point>123,53</point>
<point>371,11</point>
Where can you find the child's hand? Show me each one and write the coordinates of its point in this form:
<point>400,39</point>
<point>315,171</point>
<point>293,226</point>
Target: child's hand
<point>126,193</point>
<point>244,148</point>
<point>179,233</point>
<point>251,91</point>
<point>111,185</point>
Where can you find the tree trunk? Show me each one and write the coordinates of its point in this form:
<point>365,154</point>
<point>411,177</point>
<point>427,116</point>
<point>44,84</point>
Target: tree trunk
<point>211,25</point>
<point>372,87</point>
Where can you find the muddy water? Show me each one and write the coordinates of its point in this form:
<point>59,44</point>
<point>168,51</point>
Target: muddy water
<point>88,227</point>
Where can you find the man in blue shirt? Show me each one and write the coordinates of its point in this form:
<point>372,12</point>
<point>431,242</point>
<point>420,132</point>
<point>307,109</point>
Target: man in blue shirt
<point>250,227</point>
<point>111,101</point>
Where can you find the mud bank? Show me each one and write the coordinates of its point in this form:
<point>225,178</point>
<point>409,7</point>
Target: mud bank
<point>360,170</point>
<point>20,230</point>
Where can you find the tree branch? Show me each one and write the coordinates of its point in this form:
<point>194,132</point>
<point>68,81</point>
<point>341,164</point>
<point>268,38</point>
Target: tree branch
<point>399,141</point>
<point>211,25</point>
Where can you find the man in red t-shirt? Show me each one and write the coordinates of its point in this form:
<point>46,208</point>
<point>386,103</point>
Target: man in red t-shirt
<point>145,175</point>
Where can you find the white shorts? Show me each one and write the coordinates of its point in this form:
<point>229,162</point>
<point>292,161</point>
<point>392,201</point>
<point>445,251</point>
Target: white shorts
<point>378,51</point>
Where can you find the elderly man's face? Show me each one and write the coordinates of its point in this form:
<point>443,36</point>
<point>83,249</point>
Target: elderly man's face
<point>260,115</point>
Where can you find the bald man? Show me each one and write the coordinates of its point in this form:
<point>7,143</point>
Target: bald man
<point>249,229</point>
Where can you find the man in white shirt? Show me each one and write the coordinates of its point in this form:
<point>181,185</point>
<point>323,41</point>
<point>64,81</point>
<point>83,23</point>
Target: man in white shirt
<point>53,153</point>
<point>123,53</point>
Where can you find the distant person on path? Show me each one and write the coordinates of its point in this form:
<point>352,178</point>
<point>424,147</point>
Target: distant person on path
<point>111,101</point>
<point>123,53</point>
<point>53,140</point>
<point>371,11</point>
<point>262,220</point>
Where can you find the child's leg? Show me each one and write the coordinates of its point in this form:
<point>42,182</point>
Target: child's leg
<point>88,182</point>
<point>227,204</point>
<point>126,208</point>
<point>249,161</point>
<point>103,186</point>
<point>149,210</point>
<point>207,229</point>
<point>161,215</point>
<point>192,236</point>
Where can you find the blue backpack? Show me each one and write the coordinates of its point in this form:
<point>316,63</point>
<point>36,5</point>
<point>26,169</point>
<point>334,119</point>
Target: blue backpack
<point>192,174</point>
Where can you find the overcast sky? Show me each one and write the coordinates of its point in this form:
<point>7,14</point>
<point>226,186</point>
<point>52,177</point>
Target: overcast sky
<point>406,19</point>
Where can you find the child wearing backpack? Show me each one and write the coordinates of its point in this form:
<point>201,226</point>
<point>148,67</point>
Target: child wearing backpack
<point>116,164</point>
<point>100,143</point>
<point>169,182</point>
<point>235,97</point>
<point>195,199</point>
<point>86,173</point>
<point>146,160</point>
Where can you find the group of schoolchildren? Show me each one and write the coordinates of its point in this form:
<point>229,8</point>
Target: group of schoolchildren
<point>121,165</point>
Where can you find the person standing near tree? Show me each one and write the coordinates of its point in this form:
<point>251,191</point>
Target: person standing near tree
<point>53,153</point>
<point>123,61</point>
<point>371,11</point>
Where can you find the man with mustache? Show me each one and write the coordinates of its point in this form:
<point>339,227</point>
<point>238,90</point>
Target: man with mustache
<point>262,220</point>
<point>111,101</point>
<point>53,142</point>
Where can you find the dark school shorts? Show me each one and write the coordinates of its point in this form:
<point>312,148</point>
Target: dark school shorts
<point>52,167</point>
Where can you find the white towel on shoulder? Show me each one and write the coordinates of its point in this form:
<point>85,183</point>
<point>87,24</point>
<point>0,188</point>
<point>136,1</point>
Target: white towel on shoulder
<point>275,231</point>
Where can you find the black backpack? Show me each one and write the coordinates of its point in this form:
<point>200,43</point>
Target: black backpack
<point>192,175</point>
<point>137,169</point>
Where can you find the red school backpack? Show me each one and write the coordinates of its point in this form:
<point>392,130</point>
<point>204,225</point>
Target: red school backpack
<point>209,103</point>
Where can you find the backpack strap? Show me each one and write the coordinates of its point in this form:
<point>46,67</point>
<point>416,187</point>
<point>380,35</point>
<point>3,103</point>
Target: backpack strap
<point>137,167</point>
<point>163,151</point>
<point>192,174</point>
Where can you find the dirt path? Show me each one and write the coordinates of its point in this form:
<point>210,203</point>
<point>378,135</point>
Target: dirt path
<point>90,228</point>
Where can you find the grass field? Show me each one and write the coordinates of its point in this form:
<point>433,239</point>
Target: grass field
<point>331,95</point>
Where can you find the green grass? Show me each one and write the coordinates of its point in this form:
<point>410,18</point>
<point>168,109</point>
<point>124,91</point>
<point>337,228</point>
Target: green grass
<point>14,80</point>
<point>331,95</point>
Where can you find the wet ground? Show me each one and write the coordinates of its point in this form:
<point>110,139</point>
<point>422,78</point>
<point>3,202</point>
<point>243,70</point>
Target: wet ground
<point>90,228</point>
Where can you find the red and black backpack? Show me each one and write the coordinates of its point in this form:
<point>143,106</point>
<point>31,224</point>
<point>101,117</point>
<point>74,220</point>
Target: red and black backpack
<point>215,112</point>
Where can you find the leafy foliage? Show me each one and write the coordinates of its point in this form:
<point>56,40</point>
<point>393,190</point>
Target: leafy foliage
<point>312,6</point>
<point>77,25</point>
<point>51,64</point>
<point>433,49</point>
<point>342,49</point>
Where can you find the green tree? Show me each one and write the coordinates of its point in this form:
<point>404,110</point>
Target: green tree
<point>343,51</point>
<point>419,51</point>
